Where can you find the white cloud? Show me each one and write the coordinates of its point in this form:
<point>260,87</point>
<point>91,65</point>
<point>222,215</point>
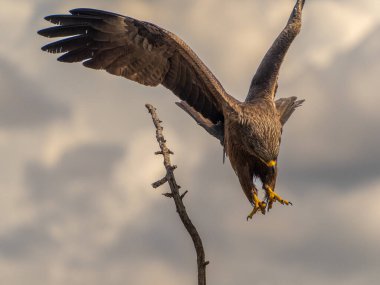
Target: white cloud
<point>15,17</point>
<point>334,27</point>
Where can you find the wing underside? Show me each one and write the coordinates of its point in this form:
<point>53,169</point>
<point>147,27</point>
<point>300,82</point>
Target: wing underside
<point>139,51</point>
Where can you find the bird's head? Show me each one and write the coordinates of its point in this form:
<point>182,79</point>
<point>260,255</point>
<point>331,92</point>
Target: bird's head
<point>269,161</point>
<point>266,153</point>
<point>264,143</point>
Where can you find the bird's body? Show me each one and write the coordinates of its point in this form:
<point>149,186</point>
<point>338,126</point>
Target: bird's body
<point>249,131</point>
<point>255,129</point>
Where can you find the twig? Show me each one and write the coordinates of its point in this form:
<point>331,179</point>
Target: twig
<point>177,197</point>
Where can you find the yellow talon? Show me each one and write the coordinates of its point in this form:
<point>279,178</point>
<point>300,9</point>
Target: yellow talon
<point>258,205</point>
<point>273,197</point>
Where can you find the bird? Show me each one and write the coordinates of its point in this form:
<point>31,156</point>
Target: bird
<point>249,132</point>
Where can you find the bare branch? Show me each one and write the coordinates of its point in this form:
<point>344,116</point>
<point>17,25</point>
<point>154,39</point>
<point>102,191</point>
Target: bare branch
<point>174,187</point>
<point>159,182</point>
<point>184,194</point>
<point>169,195</point>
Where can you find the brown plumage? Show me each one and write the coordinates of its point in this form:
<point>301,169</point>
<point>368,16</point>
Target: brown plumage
<point>249,131</point>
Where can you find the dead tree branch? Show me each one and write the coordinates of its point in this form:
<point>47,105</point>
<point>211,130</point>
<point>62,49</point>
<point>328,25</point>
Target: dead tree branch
<point>177,197</point>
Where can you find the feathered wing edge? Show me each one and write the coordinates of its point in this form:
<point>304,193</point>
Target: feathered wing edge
<point>139,51</point>
<point>264,82</point>
<point>286,106</point>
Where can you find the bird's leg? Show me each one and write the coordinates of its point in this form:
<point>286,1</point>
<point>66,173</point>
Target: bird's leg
<point>257,205</point>
<point>272,197</point>
<point>244,171</point>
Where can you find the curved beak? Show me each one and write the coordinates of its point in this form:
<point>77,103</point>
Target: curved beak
<point>271,163</point>
<point>272,166</point>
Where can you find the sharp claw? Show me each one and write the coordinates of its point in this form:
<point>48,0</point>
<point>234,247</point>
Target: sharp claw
<point>249,217</point>
<point>257,205</point>
<point>263,206</point>
<point>254,211</point>
<point>270,204</point>
<point>272,197</point>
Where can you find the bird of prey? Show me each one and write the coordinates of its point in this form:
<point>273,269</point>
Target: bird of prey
<point>249,131</point>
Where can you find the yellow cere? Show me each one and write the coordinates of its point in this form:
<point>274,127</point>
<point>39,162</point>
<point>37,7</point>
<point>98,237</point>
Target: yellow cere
<point>271,163</point>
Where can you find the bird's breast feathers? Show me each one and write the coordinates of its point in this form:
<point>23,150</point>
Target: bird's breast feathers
<point>256,128</point>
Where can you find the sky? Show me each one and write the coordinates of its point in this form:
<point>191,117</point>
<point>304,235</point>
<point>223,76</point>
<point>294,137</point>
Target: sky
<point>77,153</point>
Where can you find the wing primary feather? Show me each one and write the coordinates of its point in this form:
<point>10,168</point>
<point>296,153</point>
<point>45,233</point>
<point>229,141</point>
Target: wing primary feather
<point>64,31</point>
<point>93,12</point>
<point>76,55</point>
<point>71,19</point>
<point>67,44</point>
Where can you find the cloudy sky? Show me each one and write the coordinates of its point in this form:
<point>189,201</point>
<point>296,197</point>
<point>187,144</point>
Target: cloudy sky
<point>76,148</point>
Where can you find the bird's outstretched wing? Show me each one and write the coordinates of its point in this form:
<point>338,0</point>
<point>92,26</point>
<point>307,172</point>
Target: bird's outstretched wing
<point>139,51</point>
<point>264,82</point>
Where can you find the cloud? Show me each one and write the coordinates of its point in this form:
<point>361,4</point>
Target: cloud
<point>80,172</point>
<point>351,24</point>
<point>8,18</point>
<point>23,102</point>
<point>26,243</point>
<point>77,154</point>
<point>71,195</point>
<point>337,119</point>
